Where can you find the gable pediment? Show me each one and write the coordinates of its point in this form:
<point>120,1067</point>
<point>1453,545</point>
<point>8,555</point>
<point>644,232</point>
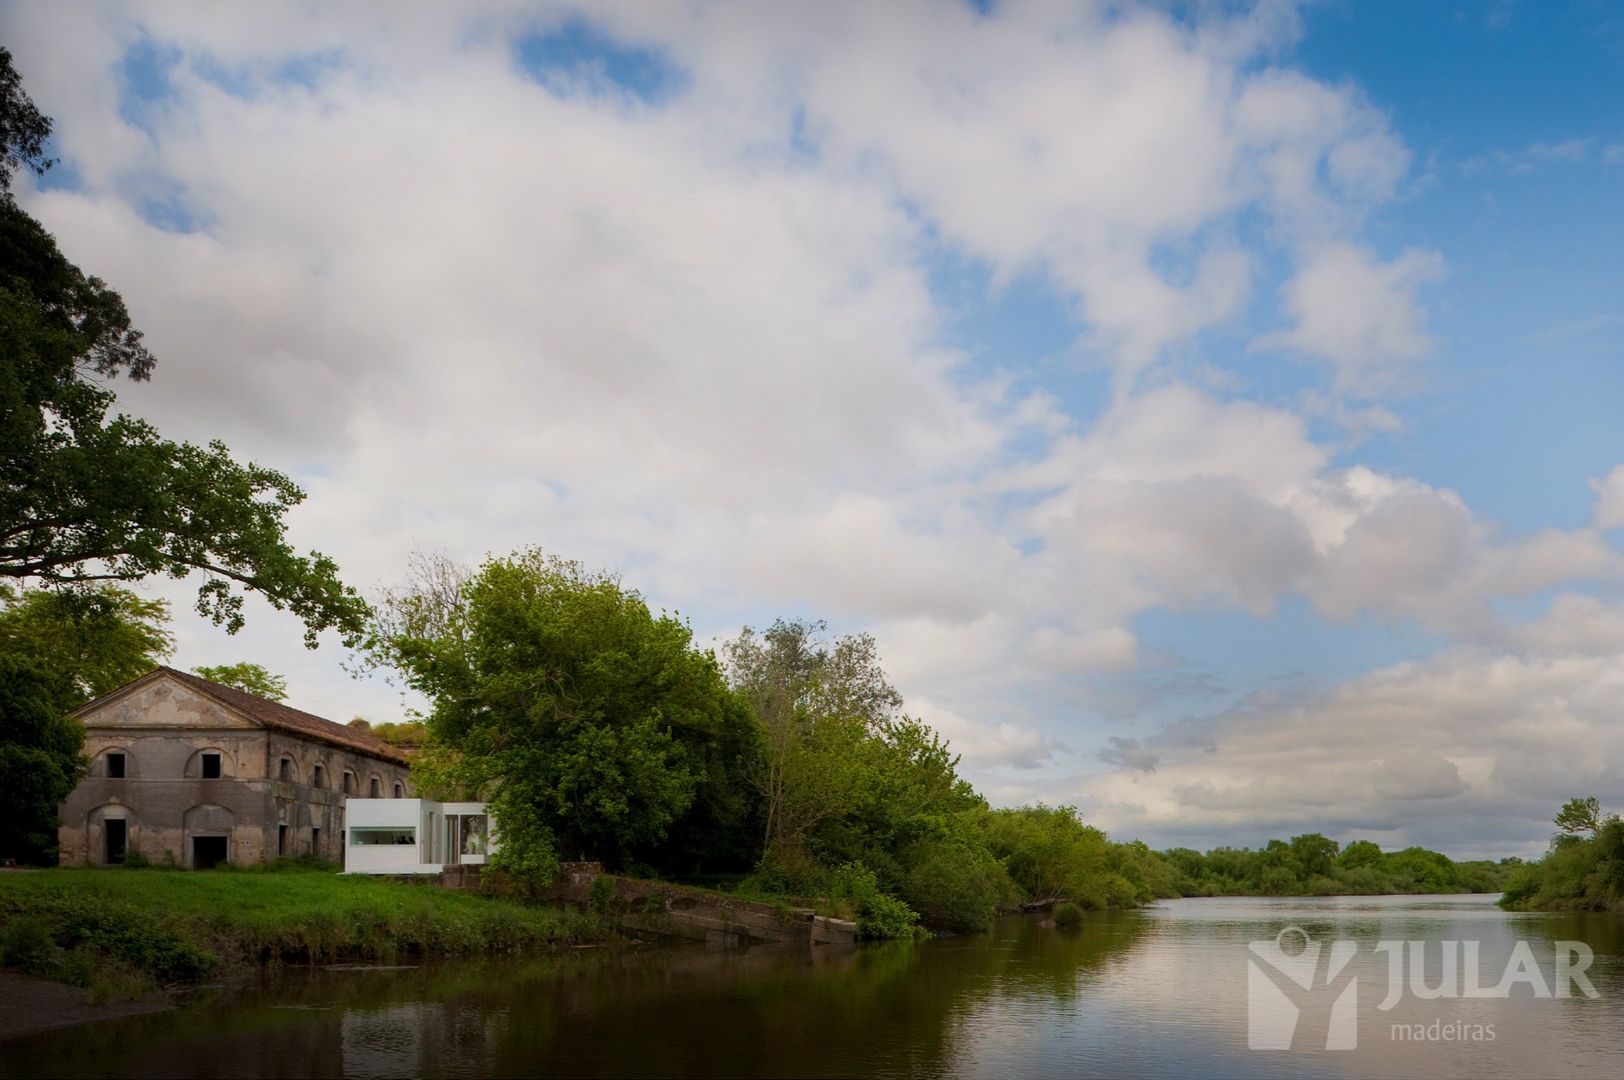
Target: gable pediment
<point>163,702</point>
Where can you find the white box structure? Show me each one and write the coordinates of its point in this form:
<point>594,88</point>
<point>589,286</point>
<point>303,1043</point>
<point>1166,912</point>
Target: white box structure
<point>414,836</point>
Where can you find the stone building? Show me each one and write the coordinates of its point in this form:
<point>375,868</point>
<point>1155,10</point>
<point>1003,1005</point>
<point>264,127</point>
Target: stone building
<point>188,771</point>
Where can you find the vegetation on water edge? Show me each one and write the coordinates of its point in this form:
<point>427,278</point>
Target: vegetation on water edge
<point>1315,865</point>
<point>1582,871</point>
<point>783,763</point>
<point>151,926</point>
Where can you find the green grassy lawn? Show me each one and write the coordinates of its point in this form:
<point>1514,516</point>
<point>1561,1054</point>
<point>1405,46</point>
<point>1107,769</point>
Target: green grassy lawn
<point>169,925</point>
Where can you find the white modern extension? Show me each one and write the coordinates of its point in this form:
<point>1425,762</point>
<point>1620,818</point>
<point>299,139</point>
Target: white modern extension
<point>414,836</point>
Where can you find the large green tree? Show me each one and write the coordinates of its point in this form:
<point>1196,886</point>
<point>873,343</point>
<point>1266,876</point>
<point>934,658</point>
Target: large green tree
<point>87,640</point>
<point>593,726</point>
<point>817,704</point>
<point>85,496</point>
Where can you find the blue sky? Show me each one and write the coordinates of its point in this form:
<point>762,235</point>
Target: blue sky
<point>1212,411</point>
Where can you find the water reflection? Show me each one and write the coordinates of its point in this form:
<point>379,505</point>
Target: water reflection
<point>1158,993</point>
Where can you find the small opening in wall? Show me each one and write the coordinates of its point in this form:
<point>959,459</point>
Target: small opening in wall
<point>211,766</point>
<point>376,789</point>
<point>349,782</point>
<point>318,777</point>
<point>400,792</point>
<point>281,839</point>
<point>118,837</point>
<point>115,766</point>
<point>284,769</point>
<point>315,840</point>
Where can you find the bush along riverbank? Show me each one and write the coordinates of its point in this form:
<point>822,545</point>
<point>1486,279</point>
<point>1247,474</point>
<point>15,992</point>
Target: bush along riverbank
<point>1582,871</point>
<point>122,931</point>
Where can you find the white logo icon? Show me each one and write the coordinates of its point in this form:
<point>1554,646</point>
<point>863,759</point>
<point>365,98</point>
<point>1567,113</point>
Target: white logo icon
<point>1308,988</point>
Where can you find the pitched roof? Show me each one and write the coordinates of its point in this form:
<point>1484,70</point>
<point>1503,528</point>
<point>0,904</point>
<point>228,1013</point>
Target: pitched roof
<point>274,714</point>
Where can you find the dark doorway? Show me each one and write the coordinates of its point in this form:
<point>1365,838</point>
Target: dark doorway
<point>281,839</point>
<point>208,852</point>
<point>118,838</point>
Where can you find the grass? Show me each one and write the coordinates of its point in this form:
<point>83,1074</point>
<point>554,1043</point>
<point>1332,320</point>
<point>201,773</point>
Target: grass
<point>172,925</point>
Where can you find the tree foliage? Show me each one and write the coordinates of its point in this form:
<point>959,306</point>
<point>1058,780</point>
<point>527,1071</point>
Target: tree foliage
<point>816,706</point>
<point>86,497</point>
<point>1578,873</point>
<point>1580,816</point>
<point>593,727</point>
<point>247,677</point>
<point>40,759</point>
<point>87,641</point>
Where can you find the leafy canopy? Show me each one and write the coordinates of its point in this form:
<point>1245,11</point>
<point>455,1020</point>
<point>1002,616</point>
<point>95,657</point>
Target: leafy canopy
<point>86,641</point>
<point>85,497</point>
<point>247,677</point>
<point>588,722</point>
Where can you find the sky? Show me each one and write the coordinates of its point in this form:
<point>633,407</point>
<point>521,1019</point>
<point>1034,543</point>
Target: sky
<point>1212,410</point>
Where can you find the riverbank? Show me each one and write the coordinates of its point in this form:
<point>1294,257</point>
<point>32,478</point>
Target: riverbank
<point>28,1005</point>
<point>126,932</point>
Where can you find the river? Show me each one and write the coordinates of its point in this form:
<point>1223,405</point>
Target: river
<point>1167,991</point>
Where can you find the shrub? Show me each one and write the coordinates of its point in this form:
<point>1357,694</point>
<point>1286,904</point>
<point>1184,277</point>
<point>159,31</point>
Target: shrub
<point>26,945</point>
<point>1067,915</point>
<point>882,916</point>
<point>953,885</point>
<point>603,891</point>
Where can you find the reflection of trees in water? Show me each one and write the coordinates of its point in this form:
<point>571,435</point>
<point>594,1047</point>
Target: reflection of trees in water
<point>881,1009</point>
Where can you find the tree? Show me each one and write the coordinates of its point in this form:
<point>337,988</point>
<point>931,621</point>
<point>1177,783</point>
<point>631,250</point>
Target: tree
<point>85,498</point>
<point>1360,853</point>
<point>1314,852</point>
<point>249,678</point>
<point>87,641</point>
<point>1580,816</point>
<point>40,760</point>
<point>587,722</point>
<point>816,707</point>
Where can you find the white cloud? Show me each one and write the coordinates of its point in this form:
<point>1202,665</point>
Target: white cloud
<point>1487,745</point>
<point>1609,506</point>
<point>1360,313</point>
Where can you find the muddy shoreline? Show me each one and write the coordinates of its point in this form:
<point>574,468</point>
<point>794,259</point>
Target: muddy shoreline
<point>29,1005</point>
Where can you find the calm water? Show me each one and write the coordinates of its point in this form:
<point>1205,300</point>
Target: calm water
<point>1163,992</point>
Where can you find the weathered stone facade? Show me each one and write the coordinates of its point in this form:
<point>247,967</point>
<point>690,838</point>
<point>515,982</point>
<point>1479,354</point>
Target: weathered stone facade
<point>211,774</point>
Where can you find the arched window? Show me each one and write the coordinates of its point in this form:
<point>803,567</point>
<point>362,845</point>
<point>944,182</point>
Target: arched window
<point>284,770</point>
<point>376,788</point>
<point>349,782</point>
<point>318,776</point>
<point>400,792</point>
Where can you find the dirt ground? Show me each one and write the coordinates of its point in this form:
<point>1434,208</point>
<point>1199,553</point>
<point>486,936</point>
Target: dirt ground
<point>29,1005</point>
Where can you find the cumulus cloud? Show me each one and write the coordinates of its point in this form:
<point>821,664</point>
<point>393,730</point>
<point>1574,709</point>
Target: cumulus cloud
<point>1360,314</point>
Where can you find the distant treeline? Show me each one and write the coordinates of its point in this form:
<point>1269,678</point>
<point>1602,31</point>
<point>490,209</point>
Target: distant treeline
<point>1314,865</point>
